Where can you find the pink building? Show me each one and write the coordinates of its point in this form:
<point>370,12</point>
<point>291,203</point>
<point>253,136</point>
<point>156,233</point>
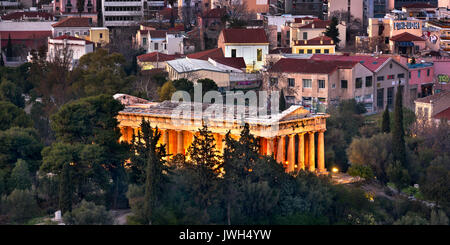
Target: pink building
<point>422,76</point>
<point>68,8</point>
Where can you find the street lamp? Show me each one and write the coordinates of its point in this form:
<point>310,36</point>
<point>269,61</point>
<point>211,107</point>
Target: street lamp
<point>334,170</point>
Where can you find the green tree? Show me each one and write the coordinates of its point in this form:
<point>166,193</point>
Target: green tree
<point>21,206</point>
<point>87,213</point>
<point>13,116</point>
<point>206,163</point>
<point>184,84</point>
<point>20,176</point>
<point>9,48</point>
<point>436,183</point>
<point>2,61</point>
<point>282,102</point>
<point>12,93</point>
<point>166,91</point>
<point>332,31</point>
<point>65,189</point>
<point>398,132</point>
<point>207,85</point>
<point>438,217</point>
<point>398,175</point>
<point>411,218</point>
<point>362,171</point>
<point>385,124</point>
<point>19,143</point>
<point>100,73</point>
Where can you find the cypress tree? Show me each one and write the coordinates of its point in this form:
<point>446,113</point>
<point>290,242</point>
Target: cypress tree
<point>398,133</point>
<point>282,103</point>
<point>65,190</point>
<point>9,51</point>
<point>2,62</point>
<point>385,125</point>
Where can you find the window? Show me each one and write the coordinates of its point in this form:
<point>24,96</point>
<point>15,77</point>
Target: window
<point>144,41</point>
<point>309,51</point>
<point>156,46</point>
<point>326,51</point>
<point>333,85</point>
<point>307,83</point>
<point>380,78</point>
<point>401,75</point>
<point>317,51</point>
<point>418,73</point>
<point>390,76</point>
<point>390,96</point>
<point>425,111</point>
<point>259,54</point>
<point>321,83</point>
<point>101,35</point>
<point>291,82</point>
<point>290,99</point>
<point>344,83</point>
<point>380,97</point>
<point>305,36</point>
<point>409,74</point>
<point>233,53</point>
<point>301,51</point>
<point>428,72</point>
<point>369,81</point>
<point>358,82</point>
<point>59,33</point>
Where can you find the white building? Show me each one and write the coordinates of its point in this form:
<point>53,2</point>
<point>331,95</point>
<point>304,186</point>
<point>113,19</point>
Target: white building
<point>250,44</point>
<point>76,47</point>
<point>166,42</point>
<point>72,26</point>
<point>122,12</point>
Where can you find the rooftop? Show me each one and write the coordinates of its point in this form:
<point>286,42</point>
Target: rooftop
<point>445,114</point>
<point>205,55</point>
<point>317,24</point>
<point>190,65</point>
<point>67,37</point>
<point>372,63</point>
<point>435,98</point>
<point>418,6</point>
<point>249,36</point>
<point>27,15</point>
<point>406,37</point>
<point>310,66</point>
<point>420,65</point>
<point>74,22</point>
<point>323,40</point>
<point>157,57</point>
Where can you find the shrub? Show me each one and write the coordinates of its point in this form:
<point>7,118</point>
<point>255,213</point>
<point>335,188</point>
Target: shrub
<point>87,213</point>
<point>362,171</point>
<point>21,206</point>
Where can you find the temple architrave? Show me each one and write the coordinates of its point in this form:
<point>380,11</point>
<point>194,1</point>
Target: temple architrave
<point>294,137</point>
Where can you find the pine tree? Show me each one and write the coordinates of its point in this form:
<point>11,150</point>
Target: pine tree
<point>65,189</point>
<point>398,133</point>
<point>2,62</point>
<point>207,164</point>
<point>332,31</point>
<point>282,102</point>
<point>385,125</point>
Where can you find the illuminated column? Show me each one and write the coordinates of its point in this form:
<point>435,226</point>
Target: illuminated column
<point>321,152</point>
<point>172,142</point>
<point>270,149</point>
<point>291,153</point>
<point>312,157</point>
<point>280,150</point>
<point>165,136</point>
<point>180,149</point>
<point>219,143</point>
<point>301,152</point>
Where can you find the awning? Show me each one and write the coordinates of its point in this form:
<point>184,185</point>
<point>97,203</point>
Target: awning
<point>405,44</point>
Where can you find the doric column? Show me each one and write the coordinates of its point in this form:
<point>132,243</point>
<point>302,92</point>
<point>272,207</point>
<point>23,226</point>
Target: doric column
<point>172,142</point>
<point>291,153</point>
<point>301,152</point>
<point>180,148</point>
<point>321,152</point>
<point>165,136</point>
<point>312,157</point>
<point>270,149</point>
<point>280,150</point>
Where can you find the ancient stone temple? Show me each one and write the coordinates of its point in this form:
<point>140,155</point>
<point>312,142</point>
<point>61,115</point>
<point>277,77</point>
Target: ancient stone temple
<point>294,137</point>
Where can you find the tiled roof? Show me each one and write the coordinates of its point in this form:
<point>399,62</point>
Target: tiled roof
<point>157,57</point>
<point>317,24</point>
<point>419,6</point>
<point>370,62</point>
<point>24,15</point>
<point>245,36</point>
<point>299,20</point>
<point>281,51</point>
<point>309,66</point>
<point>67,37</point>
<point>323,40</point>
<point>158,33</point>
<point>236,62</point>
<point>73,22</point>
<point>435,97</point>
<point>406,37</point>
<point>204,55</point>
<point>445,114</point>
